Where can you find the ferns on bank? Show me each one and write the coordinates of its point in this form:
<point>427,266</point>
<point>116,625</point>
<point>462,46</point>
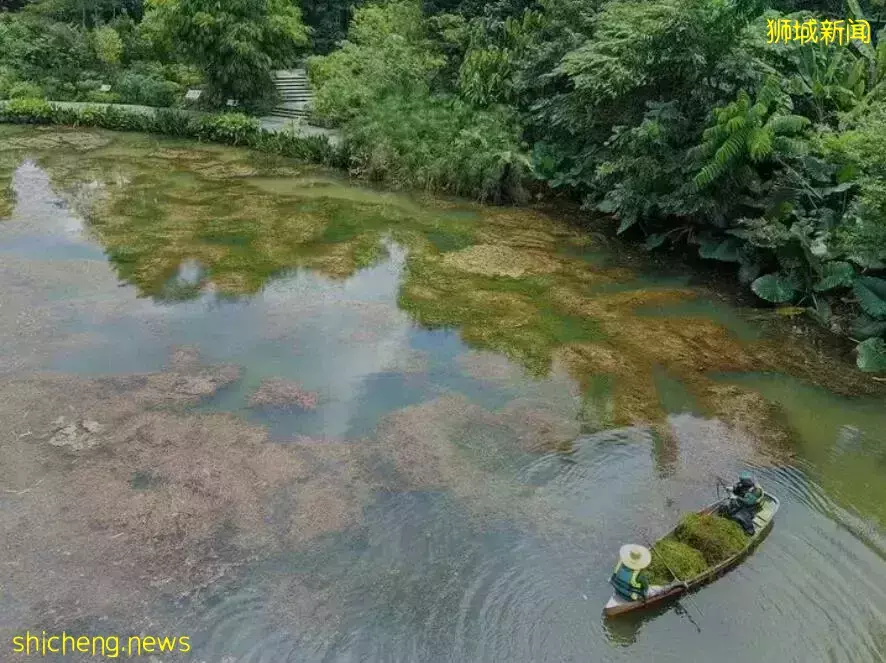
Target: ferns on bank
<point>752,132</point>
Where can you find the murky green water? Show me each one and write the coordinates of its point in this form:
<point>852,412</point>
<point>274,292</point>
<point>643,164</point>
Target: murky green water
<point>487,404</point>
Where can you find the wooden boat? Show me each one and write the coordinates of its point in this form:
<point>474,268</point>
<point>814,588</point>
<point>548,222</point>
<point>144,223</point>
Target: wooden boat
<point>657,595</point>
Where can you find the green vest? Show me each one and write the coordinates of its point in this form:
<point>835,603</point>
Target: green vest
<point>628,582</point>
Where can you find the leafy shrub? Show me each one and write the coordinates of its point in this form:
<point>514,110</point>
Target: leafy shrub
<point>108,45</point>
<point>230,128</point>
<point>98,97</point>
<point>307,148</point>
<point>183,74</point>
<point>872,355</point>
<point>109,117</point>
<point>172,122</point>
<point>387,52</point>
<point>147,89</point>
<point>438,144</point>
<point>715,537</point>
<point>670,554</point>
<point>25,90</point>
<point>26,111</point>
<point>8,78</point>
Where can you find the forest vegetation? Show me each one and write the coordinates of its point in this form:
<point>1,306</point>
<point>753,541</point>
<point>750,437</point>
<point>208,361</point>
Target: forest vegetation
<point>680,120</point>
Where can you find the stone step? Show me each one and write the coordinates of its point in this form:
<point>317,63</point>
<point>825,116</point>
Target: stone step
<point>290,73</point>
<point>294,113</point>
<point>295,92</point>
<point>296,105</point>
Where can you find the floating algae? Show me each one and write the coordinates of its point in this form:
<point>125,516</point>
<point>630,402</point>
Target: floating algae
<point>672,555</point>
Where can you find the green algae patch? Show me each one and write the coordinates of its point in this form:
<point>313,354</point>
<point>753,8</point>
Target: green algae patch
<point>158,204</point>
<point>668,555</point>
<point>499,276</point>
<point>7,196</point>
<point>492,260</point>
<point>320,187</point>
<point>504,314</point>
<point>80,141</point>
<point>715,537</point>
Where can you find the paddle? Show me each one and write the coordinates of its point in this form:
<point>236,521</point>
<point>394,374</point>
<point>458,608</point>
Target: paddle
<point>682,582</point>
<point>721,482</point>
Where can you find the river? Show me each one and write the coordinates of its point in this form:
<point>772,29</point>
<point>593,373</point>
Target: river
<point>299,420</point>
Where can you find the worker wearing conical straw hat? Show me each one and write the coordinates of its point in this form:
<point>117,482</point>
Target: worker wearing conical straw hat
<point>629,579</point>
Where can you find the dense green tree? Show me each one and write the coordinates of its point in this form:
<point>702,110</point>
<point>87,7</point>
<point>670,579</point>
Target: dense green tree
<point>387,52</point>
<point>237,44</point>
<point>328,21</point>
<point>400,126</point>
<point>108,45</point>
<point>12,5</point>
<point>87,13</point>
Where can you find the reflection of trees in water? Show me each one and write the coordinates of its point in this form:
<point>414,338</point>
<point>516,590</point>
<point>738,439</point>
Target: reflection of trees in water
<point>180,220</point>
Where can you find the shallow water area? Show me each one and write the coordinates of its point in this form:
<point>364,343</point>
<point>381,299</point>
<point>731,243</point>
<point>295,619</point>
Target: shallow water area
<point>306,421</point>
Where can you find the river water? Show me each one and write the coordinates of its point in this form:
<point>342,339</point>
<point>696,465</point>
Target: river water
<point>299,420</point>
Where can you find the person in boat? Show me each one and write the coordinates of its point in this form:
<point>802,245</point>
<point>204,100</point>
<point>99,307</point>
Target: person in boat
<point>746,497</point>
<point>629,578</point>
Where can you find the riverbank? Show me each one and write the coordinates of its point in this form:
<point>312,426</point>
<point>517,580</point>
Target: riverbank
<point>269,123</point>
<point>275,135</point>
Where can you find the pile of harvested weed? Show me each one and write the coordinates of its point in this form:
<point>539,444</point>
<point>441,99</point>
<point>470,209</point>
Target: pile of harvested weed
<point>699,542</point>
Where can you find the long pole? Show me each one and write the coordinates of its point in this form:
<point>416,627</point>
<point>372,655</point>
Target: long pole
<point>667,566</point>
<point>682,582</point>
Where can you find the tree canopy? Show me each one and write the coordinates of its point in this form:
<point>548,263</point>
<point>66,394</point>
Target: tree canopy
<point>236,44</point>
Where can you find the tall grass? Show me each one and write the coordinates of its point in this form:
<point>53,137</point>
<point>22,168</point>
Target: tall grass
<point>440,144</point>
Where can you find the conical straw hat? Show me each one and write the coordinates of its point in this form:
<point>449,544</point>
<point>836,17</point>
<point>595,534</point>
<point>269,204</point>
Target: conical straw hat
<point>635,557</point>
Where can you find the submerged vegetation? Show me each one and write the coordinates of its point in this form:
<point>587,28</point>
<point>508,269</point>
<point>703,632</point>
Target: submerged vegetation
<point>181,220</point>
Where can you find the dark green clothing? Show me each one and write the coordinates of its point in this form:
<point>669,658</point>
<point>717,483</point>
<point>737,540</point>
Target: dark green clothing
<point>743,505</point>
<point>753,496</point>
<point>748,497</point>
<point>630,584</point>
